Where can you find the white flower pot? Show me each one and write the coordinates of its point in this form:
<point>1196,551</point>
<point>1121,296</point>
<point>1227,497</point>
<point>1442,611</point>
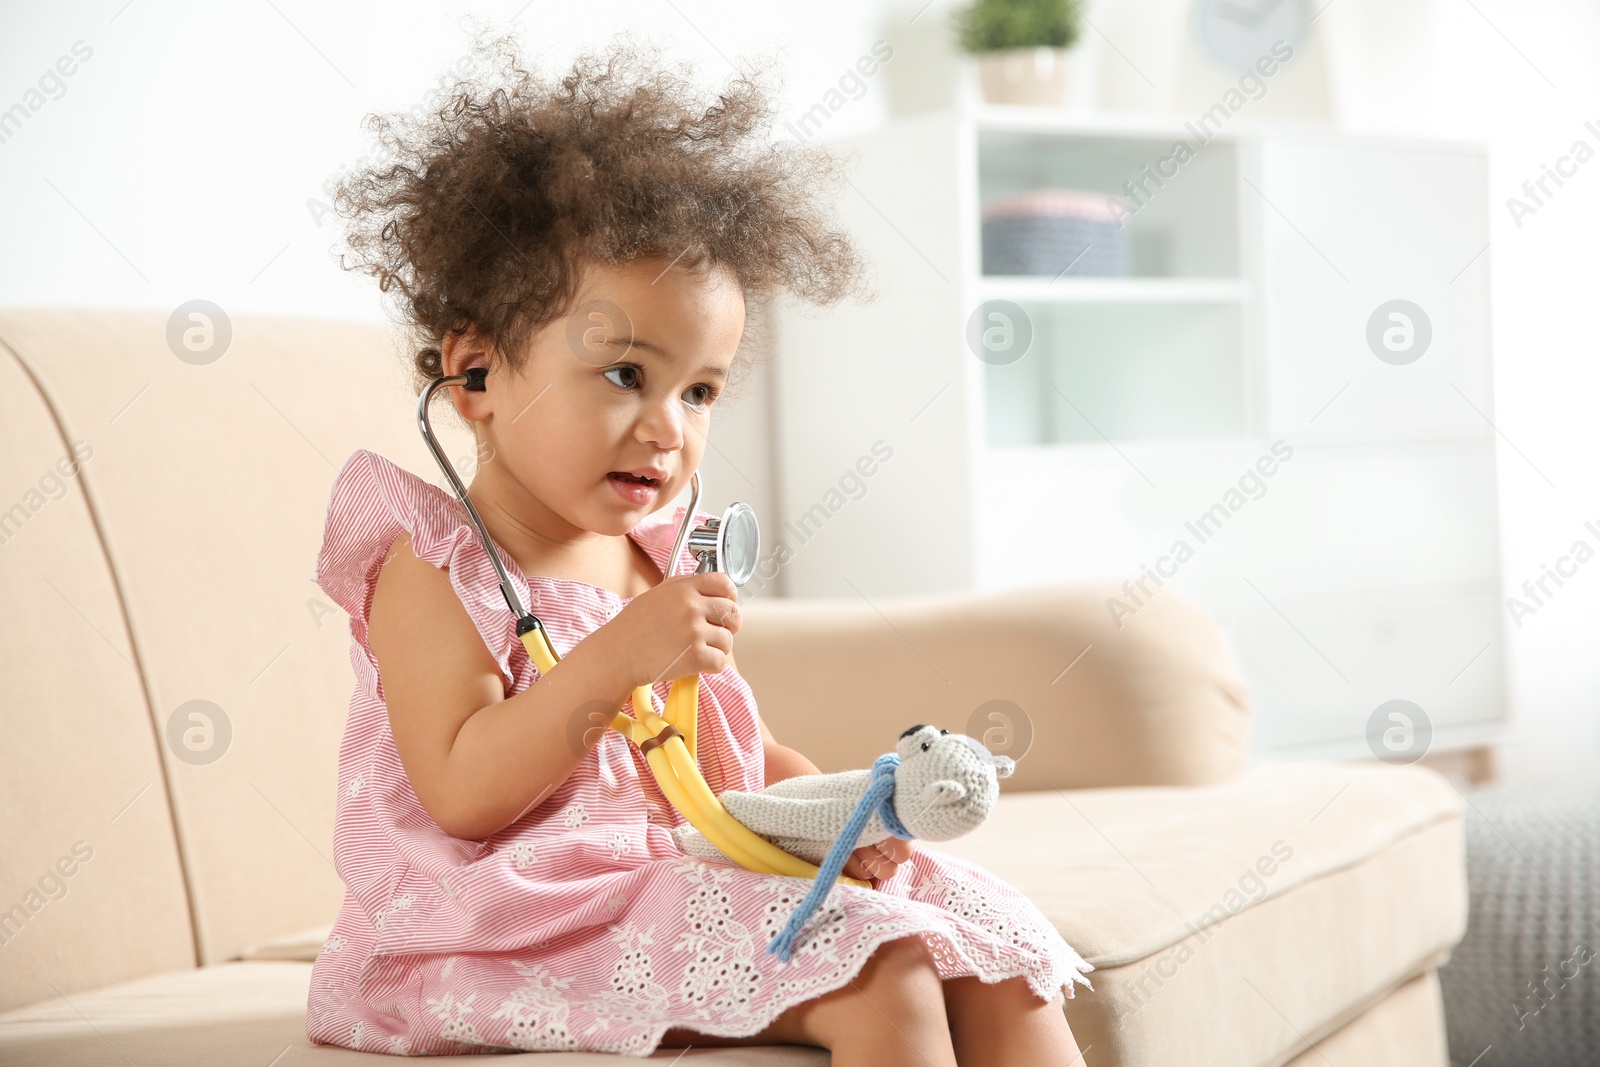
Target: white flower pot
<point>1037,77</point>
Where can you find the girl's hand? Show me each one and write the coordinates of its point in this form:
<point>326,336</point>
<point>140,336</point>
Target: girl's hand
<point>683,626</point>
<point>878,863</point>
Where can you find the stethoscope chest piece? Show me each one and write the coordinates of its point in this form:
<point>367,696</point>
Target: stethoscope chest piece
<point>730,543</point>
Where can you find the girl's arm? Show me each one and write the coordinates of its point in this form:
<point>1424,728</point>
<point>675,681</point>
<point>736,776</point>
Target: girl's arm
<point>782,761</point>
<point>477,759</point>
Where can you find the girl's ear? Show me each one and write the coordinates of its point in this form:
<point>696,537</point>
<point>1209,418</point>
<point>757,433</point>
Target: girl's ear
<point>458,351</point>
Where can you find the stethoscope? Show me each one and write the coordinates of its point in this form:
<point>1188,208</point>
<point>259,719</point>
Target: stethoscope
<point>731,544</point>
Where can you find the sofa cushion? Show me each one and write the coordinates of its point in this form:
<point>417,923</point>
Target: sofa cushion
<point>250,1014</point>
<point>301,945</point>
<point>1256,912</point>
<point>1265,913</point>
<point>1404,1029</point>
<point>254,1013</point>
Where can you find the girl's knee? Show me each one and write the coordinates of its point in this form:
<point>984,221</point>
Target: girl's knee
<point>901,982</point>
<point>897,970</point>
<point>898,984</point>
<point>903,959</point>
<point>970,986</point>
<point>970,994</point>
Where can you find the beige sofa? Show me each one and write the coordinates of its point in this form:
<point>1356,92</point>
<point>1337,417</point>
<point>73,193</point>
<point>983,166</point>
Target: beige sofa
<point>159,908</point>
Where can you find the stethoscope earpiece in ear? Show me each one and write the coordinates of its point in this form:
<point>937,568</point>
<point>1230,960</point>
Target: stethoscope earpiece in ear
<point>476,379</point>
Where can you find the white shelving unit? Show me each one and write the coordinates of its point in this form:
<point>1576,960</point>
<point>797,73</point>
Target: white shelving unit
<point>1364,568</point>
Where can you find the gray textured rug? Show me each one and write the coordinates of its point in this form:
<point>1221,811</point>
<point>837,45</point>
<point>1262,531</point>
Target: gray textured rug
<point>1523,988</point>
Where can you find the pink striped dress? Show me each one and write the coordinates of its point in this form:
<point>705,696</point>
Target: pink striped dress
<point>582,926</point>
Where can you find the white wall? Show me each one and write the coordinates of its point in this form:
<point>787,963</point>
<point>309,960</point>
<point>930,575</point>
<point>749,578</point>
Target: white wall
<point>178,161</point>
<point>1525,78</point>
<point>185,157</point>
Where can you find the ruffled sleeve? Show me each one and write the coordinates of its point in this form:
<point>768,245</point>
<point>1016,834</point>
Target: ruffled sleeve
<point>371,502</point>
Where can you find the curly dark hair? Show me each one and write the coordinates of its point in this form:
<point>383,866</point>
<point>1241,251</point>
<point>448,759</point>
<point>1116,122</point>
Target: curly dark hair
<point>484,207</point>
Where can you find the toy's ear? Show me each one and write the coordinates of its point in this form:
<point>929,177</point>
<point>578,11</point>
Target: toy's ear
<point>1003,766</point>
<point>943,793</point>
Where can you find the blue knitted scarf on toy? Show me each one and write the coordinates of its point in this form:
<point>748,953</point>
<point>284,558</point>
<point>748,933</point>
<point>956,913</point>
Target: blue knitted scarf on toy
<point>879,798</point>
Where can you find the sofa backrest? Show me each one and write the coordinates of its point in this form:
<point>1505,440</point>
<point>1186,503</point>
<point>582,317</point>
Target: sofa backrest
<point>91,882</point>
<point>174,684</point>
<point>1044,675</point>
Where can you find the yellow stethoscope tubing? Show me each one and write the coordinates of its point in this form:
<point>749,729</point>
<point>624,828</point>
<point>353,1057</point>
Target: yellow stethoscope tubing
<point>678,775</point>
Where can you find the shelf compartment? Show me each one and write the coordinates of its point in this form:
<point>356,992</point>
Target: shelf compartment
<point>1122,372</point>
<point>1184,220</point>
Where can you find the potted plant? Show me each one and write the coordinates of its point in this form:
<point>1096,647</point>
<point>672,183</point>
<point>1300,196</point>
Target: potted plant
<point>1021,47</point>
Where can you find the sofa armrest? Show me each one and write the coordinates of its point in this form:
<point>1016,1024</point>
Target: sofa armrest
<point>1043,674</point>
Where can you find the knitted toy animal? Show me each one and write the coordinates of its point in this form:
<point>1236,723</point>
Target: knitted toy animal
<point>935,786</point>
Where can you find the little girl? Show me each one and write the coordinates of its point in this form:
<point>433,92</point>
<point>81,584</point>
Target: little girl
<point>597,245</point>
